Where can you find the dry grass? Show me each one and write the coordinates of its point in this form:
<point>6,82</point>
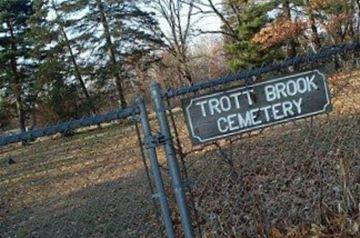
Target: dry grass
<point>89,185</point>
<point>296,180</point>
<point>288,183</point>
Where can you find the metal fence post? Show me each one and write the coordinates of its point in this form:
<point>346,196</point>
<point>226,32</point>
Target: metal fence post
<point>159,184</point>
<point>172,161</point>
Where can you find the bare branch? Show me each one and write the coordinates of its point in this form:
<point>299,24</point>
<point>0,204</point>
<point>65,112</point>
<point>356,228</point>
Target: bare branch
<point>223,19</point>
<point>202,32</point>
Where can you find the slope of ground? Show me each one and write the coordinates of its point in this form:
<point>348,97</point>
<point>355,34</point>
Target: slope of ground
<point>297,180</point>
<point>89,185</point>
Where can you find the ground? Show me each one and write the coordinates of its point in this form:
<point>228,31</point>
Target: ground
<point>87,185</point>
<point>297,180</point>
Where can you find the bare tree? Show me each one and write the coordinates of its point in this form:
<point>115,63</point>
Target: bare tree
<point>226,11</point>
<point>315,34</point>
<point>178,16</point>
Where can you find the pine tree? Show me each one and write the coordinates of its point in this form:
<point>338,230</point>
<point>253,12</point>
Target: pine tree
<point>112,31</point>
<point>59,79</point>
<point>16,66</point>
<point>63,35</point>
<point>244,51</point>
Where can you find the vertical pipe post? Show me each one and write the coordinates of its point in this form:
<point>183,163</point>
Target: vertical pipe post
<point>182,160</point>
<point>172,161</point>
<point>159,184</point>
<point>146,167</point>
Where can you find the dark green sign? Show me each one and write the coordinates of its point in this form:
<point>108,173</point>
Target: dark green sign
<point>272,102</point>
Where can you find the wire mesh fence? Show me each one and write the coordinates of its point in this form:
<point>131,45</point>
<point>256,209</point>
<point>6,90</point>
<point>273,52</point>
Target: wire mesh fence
<point>293,180</point>
<point>297,179</point>
<point>92,184</point>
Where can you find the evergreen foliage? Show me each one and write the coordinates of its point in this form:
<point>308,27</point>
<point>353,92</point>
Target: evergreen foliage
<point>112,31</point>
<point>17,67</point>
<point>244,52</point>
<point>63,59</point>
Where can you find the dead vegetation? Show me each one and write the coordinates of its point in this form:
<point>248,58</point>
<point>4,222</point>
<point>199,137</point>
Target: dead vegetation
<point>89,185</point>
<point>300,183</point>
<point>297,180</point>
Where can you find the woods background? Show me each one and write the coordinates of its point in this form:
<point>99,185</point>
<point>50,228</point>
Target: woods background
<point>64,59</point>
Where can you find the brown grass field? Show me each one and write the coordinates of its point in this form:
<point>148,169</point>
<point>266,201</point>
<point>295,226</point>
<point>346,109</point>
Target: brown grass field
<point>297,180</point>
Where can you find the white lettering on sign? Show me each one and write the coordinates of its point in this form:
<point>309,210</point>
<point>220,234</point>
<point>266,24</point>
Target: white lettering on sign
<point>266,112</point>
<point>290,88</point>
<point>235,97</point>
<point>225,103</point>
<point>244,121</point>
<point>202,105</point>
<point>276,111</point>
<point>221,124</point>
<point>214,106</point>
<point>273,92</point>
<point>252,107</point>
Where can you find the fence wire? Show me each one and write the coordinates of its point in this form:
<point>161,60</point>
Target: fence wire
<point>293,180</point>
<point>324,54</point>
<point>92,184</point>
<point>66,127</point>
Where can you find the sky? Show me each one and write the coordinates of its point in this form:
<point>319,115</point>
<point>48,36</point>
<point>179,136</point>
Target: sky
<point>206,23</point>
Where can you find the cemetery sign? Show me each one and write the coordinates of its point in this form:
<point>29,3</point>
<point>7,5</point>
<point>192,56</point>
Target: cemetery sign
<point>218,115</point>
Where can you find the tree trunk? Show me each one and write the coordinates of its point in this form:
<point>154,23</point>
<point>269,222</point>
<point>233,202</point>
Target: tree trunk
<point>78,74</point>
<point>112,55</point>
<point>357,35</point>
<point>315,34</point>
<point>188,76</point>
<point>77,69</point>
<point>20,108</point>
<point>74,62</point>
<point>291,51</point>
<point>16,86</point>
<point>34,119</point>
<point>187,73</point>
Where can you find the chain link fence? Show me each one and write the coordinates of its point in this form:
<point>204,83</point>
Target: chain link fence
<point>297,179</point>
<point>91,184</point>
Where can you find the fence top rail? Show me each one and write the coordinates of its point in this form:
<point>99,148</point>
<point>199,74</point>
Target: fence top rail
<point>68,126</point>
<point>313,57</point>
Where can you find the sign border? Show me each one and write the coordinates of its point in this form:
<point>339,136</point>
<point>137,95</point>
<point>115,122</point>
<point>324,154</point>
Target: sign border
<point>200,140</point>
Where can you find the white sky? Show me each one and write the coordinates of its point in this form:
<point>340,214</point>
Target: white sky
<point>206,23</point>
